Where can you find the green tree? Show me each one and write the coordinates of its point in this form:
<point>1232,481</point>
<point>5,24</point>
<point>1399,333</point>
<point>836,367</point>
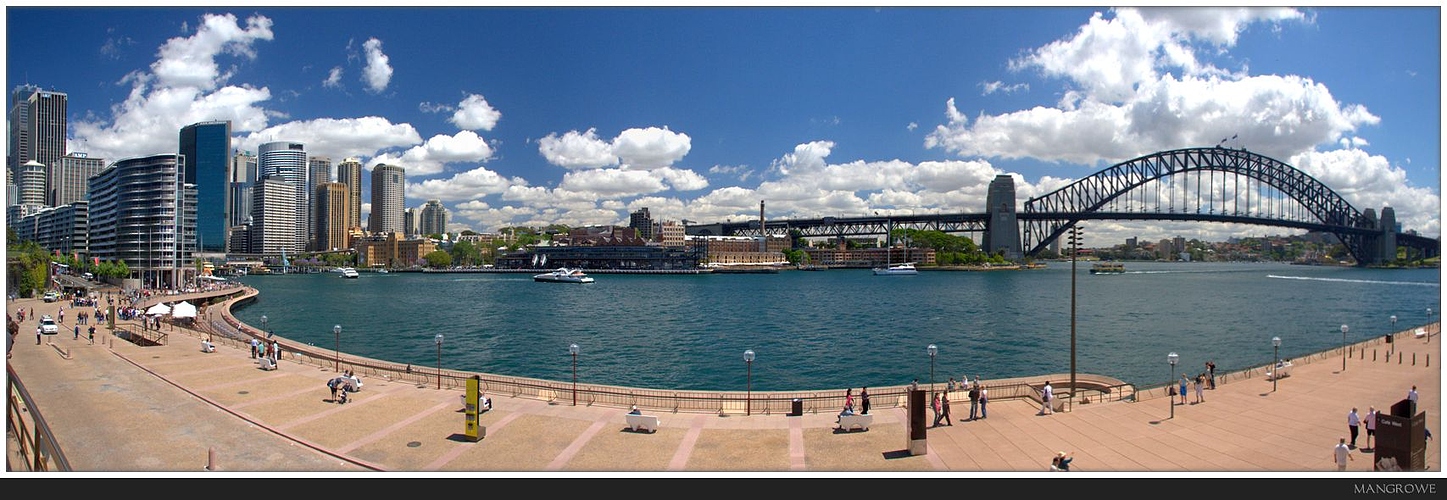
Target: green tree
<point>464,253</point>
<point>438,259</point>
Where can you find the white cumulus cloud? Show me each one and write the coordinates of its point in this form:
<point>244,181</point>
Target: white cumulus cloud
<point>377,74</point>
<point>474,113</point>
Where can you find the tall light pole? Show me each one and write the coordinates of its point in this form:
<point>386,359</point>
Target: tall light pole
<point>1074,250</point>
<point>439,360</point>
<point>932,350</point>
<point>749,388</point>
<point>337,333</point>
<point>1344,347</point>
<point>573,349</point>
<point>263,323</point>
<point>1391,336</point>
<point>1275,361</point>
<point>1172,358</point>
<point>1429,325</point>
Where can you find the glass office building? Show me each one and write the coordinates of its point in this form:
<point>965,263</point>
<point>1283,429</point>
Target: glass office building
<point>206,147</point>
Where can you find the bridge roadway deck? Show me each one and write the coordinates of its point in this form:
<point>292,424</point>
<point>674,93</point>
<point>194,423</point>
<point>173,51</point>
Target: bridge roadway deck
<point>171,411</point>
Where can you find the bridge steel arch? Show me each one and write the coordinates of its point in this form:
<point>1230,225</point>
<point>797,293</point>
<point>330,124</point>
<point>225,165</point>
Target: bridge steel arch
<point>1047,217</point>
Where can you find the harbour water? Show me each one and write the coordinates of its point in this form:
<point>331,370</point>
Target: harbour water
<point>846,327</point>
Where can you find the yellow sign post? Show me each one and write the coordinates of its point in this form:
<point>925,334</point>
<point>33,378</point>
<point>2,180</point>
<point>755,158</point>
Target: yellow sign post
<point>474,432</point>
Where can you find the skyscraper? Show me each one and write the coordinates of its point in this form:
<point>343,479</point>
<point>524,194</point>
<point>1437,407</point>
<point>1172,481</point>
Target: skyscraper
<point>318,172</point>
<point>389,185</point>
<point>433,218</point>
<point>206,149</point>
<point>284,162</point>
<point>239,180</point>
<point>37,127</point>
<point>273,217</point>
<point>331,205</point>
<point>138,212</point>
<point>409,222</point>
<point>70,176</point>
<point>31,180</point>
<point>349,172</point>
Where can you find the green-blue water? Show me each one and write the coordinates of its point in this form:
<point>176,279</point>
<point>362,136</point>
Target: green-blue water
<point>847,327</point>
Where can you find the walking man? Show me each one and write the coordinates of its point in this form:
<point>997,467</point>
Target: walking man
<point>864,400</point>
<point>1341,454</point>
<point>1353,422</point>
<point>1047,394</point>
<point>984,398</point>
<point>1412,396</point>
<point>945,406</point>
<point>974,401</point>
<point>935,405</point>
<point>1371,425</point>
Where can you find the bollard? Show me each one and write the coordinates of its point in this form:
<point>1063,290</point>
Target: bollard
<point>211,459</point>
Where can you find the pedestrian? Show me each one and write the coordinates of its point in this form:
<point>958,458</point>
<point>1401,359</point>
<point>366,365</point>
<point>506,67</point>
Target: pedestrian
<point>332,384</point>
<point>945,409</point>
<point>914,386</point>
<point>77,333</point>
<point>1353,422</point>
<point>950,387</point>
<point>1371,425</point>
<point>1341,454</point>
<point>1061,462</point>
<point>253,348</point>
<point>984,398</point>
<point>1211,374</point>
<point>37,334</point>
<point>1412,396</point>
<point>1182,392</point>
<point>864,401</point>
<point>275,351</point>
<point>92,334</point>
<point>935,405</point>
<point>974,401</point>
<point>1200,387</point>
<point>1046,394</point>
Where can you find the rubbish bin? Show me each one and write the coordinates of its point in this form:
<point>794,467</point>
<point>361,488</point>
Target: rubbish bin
<point>1389,338</point>
<point>798,408</point>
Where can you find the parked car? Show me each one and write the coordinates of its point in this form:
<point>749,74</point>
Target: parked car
<point>48,326</point>
<point>51,296</point>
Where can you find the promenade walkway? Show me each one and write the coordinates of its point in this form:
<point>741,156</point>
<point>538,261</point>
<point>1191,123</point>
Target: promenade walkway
<point>116,407</point>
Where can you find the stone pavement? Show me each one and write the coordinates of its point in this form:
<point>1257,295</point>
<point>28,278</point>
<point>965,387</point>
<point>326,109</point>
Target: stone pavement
<point>116,407</point>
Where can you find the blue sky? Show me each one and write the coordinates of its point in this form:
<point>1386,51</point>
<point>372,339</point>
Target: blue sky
<point>541,115</point>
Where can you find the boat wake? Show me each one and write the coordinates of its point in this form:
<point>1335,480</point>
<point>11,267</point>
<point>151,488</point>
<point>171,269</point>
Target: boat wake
<point>1340,280</point>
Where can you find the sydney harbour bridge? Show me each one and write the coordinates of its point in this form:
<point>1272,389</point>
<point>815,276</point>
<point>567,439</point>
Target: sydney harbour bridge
<point>1211,184</point>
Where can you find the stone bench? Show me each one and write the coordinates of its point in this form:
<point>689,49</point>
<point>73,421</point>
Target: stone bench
<point>856,421</point>
<point>646,422</point>
<point>1282,370</point>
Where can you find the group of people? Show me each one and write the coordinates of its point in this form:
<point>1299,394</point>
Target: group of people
<point>261,349</point>
<point>849,402</point>
<point>342,385</point>
<point>1342,452</point>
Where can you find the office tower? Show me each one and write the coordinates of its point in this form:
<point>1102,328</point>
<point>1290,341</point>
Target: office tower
<point>388,196</point>
<point>286,161</point>
<point>318,172</point>
<point>69,177</point>
<point>137,214</point>
<point>642,221</point>
<point>331,206</point>
<point>409,222</point>
<point>240,177</point>
<point>31,181</point>
<point>37,126</point>
<point>273,217</point>
<point>433,218</point>
<point>349,172</point>
<point>206,149</point>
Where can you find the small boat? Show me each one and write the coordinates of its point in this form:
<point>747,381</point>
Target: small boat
<point>381,270</point>
<point>564,275</point>
<point>348,272</point>
<point>904,269</point>
<point>1107,268</point>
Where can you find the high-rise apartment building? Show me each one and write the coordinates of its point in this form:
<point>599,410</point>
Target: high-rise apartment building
<point>331,207</point>
<point>389,193</point>
<point>31,181</point>
<point>642,221</point>
<point>286,162</point>
<point>205,148</point>
<point>409,222</point>
<point>37,127</point>
<point>433,218</point>
<point>69,177</point>
<point>349,172</point>
<point>273,217</point>
<point>137,214</point>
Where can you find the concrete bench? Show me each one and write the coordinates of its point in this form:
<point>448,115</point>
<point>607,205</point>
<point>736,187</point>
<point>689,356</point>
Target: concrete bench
<point>266,363</point>
<point>1282,370</point>
<point>856,421</point>
<point>646,422</point>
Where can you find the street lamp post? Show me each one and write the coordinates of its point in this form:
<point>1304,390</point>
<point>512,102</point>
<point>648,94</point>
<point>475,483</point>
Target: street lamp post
<point>1172,358</point>
<point>573,349</point>
<point>749,387</point>
<point>1343,347</point>
<point>1275,361</point>
<point>932,350</point>
<point>1075,239</point>
<point>263,323</point>
<point>1391,336</point>
<point>438,338</point>
<point>1429,325</point>
<point>337,334</point>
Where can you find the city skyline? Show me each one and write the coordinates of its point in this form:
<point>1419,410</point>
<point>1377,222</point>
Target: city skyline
<point>582,116</point>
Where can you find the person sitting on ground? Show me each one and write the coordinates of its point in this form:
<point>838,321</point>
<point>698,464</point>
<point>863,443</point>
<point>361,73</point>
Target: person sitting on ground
<point>1061,462</point>
<point>634,411</point>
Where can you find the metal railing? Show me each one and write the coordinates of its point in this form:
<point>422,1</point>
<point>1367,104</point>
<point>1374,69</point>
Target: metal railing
<point>36,447</point>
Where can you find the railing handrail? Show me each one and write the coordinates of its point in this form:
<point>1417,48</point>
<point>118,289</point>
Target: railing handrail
<point>38,449</point>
